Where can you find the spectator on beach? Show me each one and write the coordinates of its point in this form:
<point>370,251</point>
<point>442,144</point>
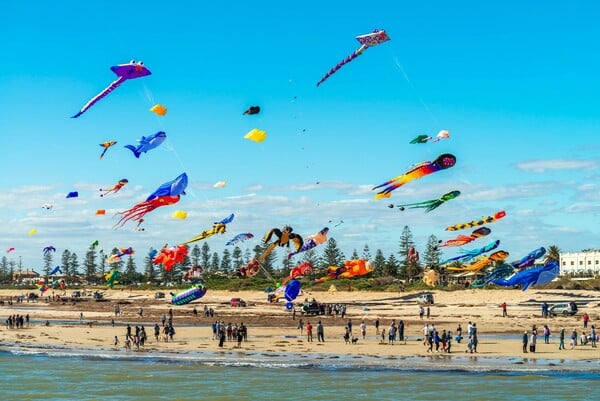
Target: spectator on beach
<point>116,342</point>
<point>320,332</point>
<point>525,341</point>
<point>545,309</point>
<point>546,334</point>
<point>156,331</point>
<point>141,312</point>
<point>382,336</point>
<point>561,344</point>
<point>428,313</point>
<point>392,333</point>
<point>349,326</point>
<point>573,339</point>
<point>346,335</point>
<point>504,313</point>
<point>593,336</point>
<point>377,326</point>
<point>128,332</point>
<point>401,331</point>
<point>240,337</point>
<point>459,336</point>
<point>475,339</point>
<point>363,329</point>
<point>532,342</point>
<point>300,326</point>
<point>586,319</point>
<point>421,312</point>
<point>309,334</point>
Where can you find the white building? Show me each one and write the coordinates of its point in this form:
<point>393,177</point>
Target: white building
<point>580,263</point>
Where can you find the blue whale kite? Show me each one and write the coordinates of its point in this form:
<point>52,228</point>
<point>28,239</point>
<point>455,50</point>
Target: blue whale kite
<point>147,143</point>
<point>535,276</point>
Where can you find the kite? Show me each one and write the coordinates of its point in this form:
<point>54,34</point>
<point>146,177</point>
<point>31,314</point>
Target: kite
<point>239,238</point>
<point>106,145</point>
<point>428,205</point>
<point>535,276</point>
<point>252,110</point>
<point>412,256</point>
<point>56,270</point>
<point>159,109</point>
<point>73,194</point>
<point>352,268</point>
<point>9,250</point>
<point>47,206</point>
<point>168,193</point>
<point>32,232</point>
<point>170,256</point>
<point>482,262</point>
<point>443,162</point>
<point>443,134</point>
<point>42,286</point>
<point>48,249</point>
<point>256,135</point>
<point>152,253</point>
<point>112,277</point>
<point>291,291</point>
<point>127,71</point>
<point>251,269</point>
<point>431,278</point>
<point>219,227</point>
<point>94,244</point>
<point>284,236</point>
<point>100,211</point>
<point>138,228</point>
<point>485,220</point>
<point>468,255</point>
<point>311,242</point>
<point>298,271</point>
<point>196,291</point>
<point>122,182</point>
<point>529,259</point>
<point>147,143</point>
<point>366,41</point>
<point>499,272</point>
<point>117,257</point>
<point>220,184</point>
<point>179,214</point>
<point>465,239</point>
<point>194,273</point>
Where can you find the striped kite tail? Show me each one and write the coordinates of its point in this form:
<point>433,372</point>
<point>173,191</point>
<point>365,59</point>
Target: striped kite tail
<point>114,85</point>
<point>339,65</point>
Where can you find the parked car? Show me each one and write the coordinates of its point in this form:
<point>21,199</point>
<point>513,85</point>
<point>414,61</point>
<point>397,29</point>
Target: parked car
<point>159,295</point>
<point>426,299</point>
<point>237,302</point>
<point>311,308</point>
<point>565,309</point>
<point>98,296</point>
<point>76,294</point>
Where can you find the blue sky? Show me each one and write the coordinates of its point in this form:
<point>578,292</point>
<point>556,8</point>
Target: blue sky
<point>514,82</point>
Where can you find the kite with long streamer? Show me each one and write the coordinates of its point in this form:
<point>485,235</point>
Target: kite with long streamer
<point>470,254</point>
<point>485,220</point>
<point>465,239</point>
<point>481,262</point>
<point>428,205</point>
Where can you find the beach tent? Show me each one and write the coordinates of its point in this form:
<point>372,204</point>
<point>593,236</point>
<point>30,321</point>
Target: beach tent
<point>332,289</point>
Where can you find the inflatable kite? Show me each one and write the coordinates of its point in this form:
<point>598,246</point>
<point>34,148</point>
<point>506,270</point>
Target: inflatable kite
<point>9,250</point>
<point>122,182</point>
<point>113,276</point>
<point>251,269</point>
<point>239,238</point>
<point>168,193</point>
<point>47,206</point>
<point>369,40</point>
<point>106,145</point>
<point>443,162</point>
<point>468,255</point>
<point>431,278</point>
<point>499,272</point>
<point>73,194</point>
<point>481,262</point>
<point>159,110</point>
<point>485,220</point>
<point>101,212</point>
<point>252,110</point>
<point>298,271</point>
<point>33,231</point>
<point>465,239</point>
<point>179,214</point>
<point>412,255</point>
<point>284,236</point>
<point>48,249</point>
<point>127,71</point>
<point>256,135</point>
<point>219,227</point>
<point>351,268</point>
<point>529,259</point>
<point>428,205</point>
<point>196,291</point>
<point>170,256</point>
<point>42,286</point>
<point>220,184</point>
<point>311,242</point>
<point>56,270</point>
<point>536,276</point>
<point>152,253</point>
<point>291,291</point>
<point>147,143</point>
<point>443,134</point>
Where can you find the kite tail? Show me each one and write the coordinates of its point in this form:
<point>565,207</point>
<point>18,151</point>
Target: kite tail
<point>134,150</point>
<point>103,152</point>
<point>339,65</point>
<point>267,252</point>
<point>114,85</point>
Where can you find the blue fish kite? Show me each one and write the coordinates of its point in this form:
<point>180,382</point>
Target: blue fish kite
<point>239,238</point>
<point>73,194</point>
<point>529,260</point>
<point>536,276</point>
<point>147,143</point>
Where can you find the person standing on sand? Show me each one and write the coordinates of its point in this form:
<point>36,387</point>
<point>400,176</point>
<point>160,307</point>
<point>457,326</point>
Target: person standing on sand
<point>421,312</point>
<point>586,319</point>
<point>525,341</point>
<point>363,329</point>
<point>309,336</point>
<point>593,336</point>
<point>320,332</point>
<point>459,336</point>
<point>546,334</point>
<point>573,339</point>
<point>377,326</point>
<point>504,313</point>
<point>561,344</point>
<point>300,326</point>
<point>401,331</point>
<point>428,313</point>
<point>533,342</point>
<point>116,342</point>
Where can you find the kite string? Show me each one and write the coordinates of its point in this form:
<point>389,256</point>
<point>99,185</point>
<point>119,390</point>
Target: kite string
<point>415,92</point>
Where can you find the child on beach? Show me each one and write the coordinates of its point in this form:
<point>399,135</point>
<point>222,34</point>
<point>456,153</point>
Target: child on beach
<point>116,342</point>
<point>382,336</point>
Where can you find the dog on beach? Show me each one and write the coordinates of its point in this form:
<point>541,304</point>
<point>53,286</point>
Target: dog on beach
<point>354,340</point>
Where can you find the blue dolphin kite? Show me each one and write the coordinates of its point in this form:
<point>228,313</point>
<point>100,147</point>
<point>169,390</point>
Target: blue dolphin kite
<point>147,143</point>
<point>536,276</point>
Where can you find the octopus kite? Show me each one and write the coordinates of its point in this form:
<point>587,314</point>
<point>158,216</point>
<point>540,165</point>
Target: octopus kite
<point>168,193</point>
<point>114,189</point>
<point>127,71</point>
<point>443,162</point>
<point>428,205</point>
<point>311,242</point>
<point>489,219</point>
<point>443,134</point>
<point>170,256</point>
<point>465,239</point>
<point>106,145</point>
<point>48,249</point>
<point>219,227</point>
<point>375,38</point>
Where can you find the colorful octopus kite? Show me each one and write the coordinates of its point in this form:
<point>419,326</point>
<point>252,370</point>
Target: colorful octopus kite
<point>168,193</point>
<point>443,162</point>
<point>131,70</point>
<point>489,219</point>
<point>369,40</point>
<point>465,239</point>
<point>428,205</point>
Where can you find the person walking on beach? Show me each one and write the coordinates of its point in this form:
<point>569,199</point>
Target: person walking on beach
<point>309,335</point>
<point>459,336</point>
<point>561,344</point>
<point>300,326</point>
<point>532,342</point>
<point>573,339</point>
<point>593,336</point>
<point>116,342</point>
<point>363,329</point>
<point>320,332</point>
<point>525,341</point>
<point>421,312</point>
<point>156,331</point>
<point>401,331</point>
<point>546,334</point>
<point>586,319</point>
<point>428,313</point>
<point>377,326</point>
<point>349,326</point>
<point>504,313</point>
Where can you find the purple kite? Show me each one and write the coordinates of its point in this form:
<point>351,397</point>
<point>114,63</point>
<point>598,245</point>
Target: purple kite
<point>368,40</point>
<point>127,71</point>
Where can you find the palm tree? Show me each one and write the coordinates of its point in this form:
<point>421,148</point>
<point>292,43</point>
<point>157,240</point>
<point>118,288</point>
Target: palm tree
<point>553,254</point>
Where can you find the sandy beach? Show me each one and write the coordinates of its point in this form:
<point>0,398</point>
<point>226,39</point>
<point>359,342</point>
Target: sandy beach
<point>271,328</point>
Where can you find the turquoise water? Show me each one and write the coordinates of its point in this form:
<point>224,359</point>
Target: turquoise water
<point>91,374</point>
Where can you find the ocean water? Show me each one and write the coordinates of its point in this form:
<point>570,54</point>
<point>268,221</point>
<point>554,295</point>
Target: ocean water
<point>90,374</point>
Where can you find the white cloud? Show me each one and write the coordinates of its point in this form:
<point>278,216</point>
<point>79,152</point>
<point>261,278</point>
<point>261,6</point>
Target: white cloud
<point>541,166</point>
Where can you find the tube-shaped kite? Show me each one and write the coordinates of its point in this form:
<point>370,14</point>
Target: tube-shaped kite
<point>442,162</point>
<point>124,72</point>
<point>239,238</point>
<point>481,262</point>
<point>465,239</point>
<point>429,205</point>
<point>485,220</point>
<point>196,291</point>
<point>311,242</point>
<point>468,255</point>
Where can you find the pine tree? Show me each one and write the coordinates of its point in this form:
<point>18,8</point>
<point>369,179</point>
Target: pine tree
<point>149,270</point>
<point>4,277</point>
<point>205,255</point>
<point>380,264</point>
<point>354,255</point>
<point>247,256</point>
<point>332,255</point>
<point>90,265</point>
<point>101,263</point>
<point>196,255</point>
<point>47,264</point>
<point>65,263</point>
<point>366,255</point>
<point>432,253</point>
<point>214,262</point>
<point>226,261</point>
<point>392,266</point>
<point>130,275</point>
<point>238,260</point>
<point>74,264</point>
